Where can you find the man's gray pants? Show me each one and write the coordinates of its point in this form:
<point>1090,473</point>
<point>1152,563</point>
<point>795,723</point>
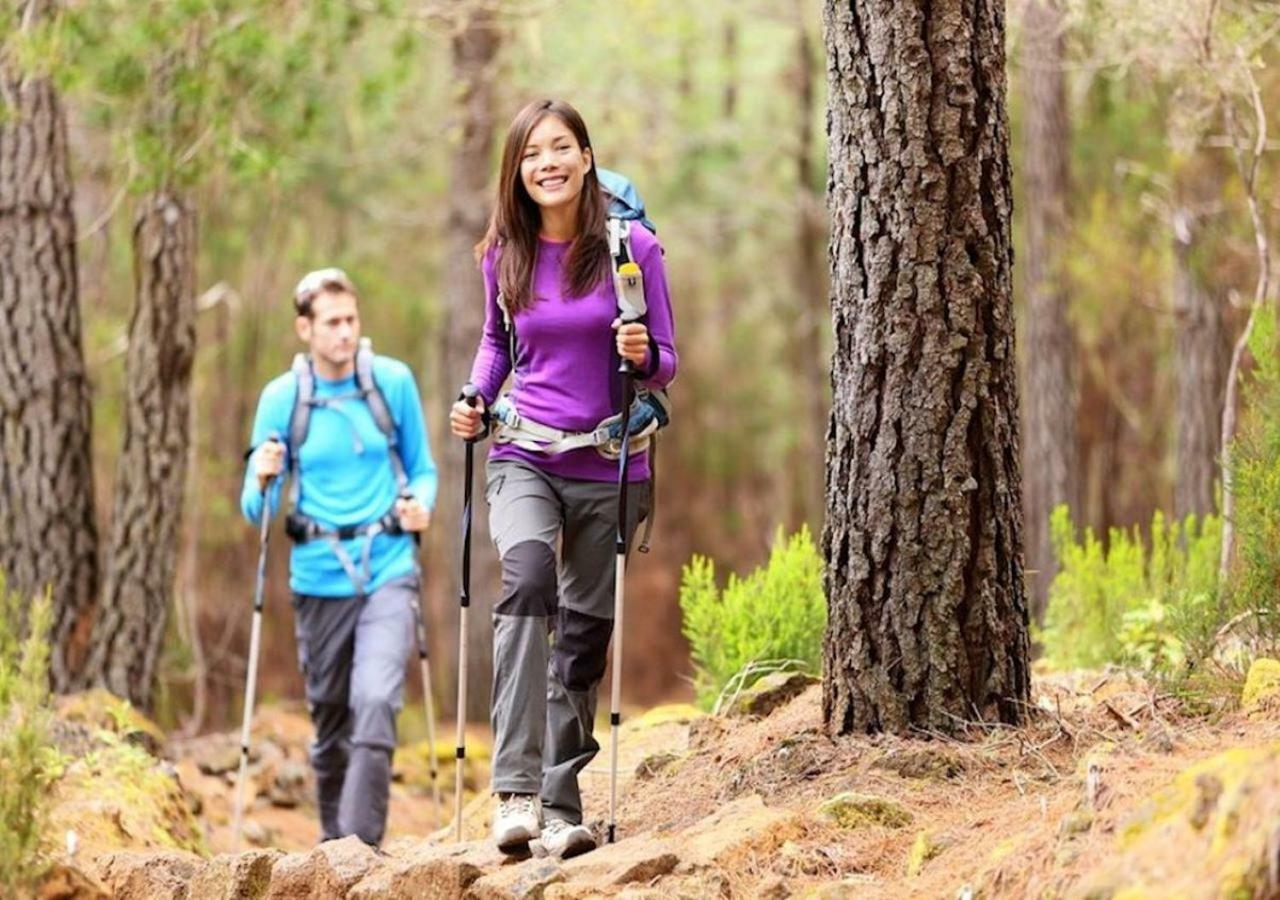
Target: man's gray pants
<point>352,652</point>
<point>544,696</point>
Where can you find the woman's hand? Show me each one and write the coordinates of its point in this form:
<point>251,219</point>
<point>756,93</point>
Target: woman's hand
<point>633,342</point>
<point>465,420</point>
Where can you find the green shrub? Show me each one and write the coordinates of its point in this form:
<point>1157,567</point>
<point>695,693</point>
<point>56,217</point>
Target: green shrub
<point>28,764</point>
<point>1255,476</point>
<point>774,616</point>
<point>1154,606</point>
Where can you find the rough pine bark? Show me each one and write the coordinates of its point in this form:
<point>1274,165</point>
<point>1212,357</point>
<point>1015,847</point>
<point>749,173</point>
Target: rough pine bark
<point>48,536</point>
<point>1201,367</point>
<point>474,60</point>
<point>927,620</point>
<point>151,473</point>
<point>1050,463</point>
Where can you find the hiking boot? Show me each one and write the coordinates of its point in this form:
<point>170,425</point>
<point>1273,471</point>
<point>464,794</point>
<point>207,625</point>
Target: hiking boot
<point>564,839</point>
<point>516,821</point>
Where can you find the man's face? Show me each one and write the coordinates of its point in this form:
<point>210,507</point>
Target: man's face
<point>332,331</point>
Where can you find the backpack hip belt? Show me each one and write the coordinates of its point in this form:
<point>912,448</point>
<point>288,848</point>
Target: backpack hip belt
<point>649,412</point>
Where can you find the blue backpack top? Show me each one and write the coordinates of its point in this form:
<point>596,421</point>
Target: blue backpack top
<point>624,199</point>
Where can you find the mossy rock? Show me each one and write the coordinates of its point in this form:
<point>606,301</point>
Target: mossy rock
<point>102,710</point>
<point>1261,695</point>
<point>769,693</point>
<point>1208,833</point>
<point>118,797</point>
<point>925,847</point>
<point>852,810</point>
<point>656,763</point>
<point>926,763</point>
<point>667,714</point>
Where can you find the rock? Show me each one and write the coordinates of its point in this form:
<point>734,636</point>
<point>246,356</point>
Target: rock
<point>744,827</point>
<point>527,881</point>
<point>633,860</point>
<point>769,693</point>
<point>330,870</point>
<point>416,869</point>
<point>220,754</point>
<point>291,785</point>
<point>235,876</point>
<point>1261,695</point>
<point>257,834</point>
<point>147,876</point>
<point>852,810</point>
<point>65,881</point>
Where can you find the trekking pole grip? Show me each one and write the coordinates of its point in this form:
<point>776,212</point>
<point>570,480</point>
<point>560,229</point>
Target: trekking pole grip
<point>471,394</point>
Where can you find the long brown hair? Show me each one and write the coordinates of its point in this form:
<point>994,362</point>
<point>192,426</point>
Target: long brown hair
<point>516,217</point>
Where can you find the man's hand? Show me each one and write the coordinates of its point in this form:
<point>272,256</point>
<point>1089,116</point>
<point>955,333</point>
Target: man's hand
<point>412,514</point>
<point>465,421</point>
<point>268,462</point>
<point>633,342</point>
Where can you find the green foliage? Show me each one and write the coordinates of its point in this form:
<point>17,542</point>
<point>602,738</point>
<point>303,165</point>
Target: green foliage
<point>1152,604</point>
<point>1255,478</point>
<point>28,764</point>
<point>778,612</point>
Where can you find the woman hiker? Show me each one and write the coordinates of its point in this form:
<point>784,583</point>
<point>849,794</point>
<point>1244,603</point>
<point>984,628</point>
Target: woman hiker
<point>552,315</point>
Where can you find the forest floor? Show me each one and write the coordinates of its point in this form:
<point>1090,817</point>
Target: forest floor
<point>1110,790</point>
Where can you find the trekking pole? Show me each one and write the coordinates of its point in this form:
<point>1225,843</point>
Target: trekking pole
<point>469,393</point>
<point>255,639</point>
<point>420,628</point>
<point>620,571</point>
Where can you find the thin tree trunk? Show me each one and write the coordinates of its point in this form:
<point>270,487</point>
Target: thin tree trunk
<point>1200,379</point>
<point>923,539</point>
<point>1050,457</point>
<point>151,473</point>
<point>474,54</point>
<point>48,536</point>
<point>809,357</point>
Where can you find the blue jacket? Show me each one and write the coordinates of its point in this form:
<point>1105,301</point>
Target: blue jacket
<point>347,477</point>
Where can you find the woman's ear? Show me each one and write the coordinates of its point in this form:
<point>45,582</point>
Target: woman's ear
<point>587,155</point>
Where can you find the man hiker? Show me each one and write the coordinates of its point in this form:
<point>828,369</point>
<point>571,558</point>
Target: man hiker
<point>346,427</point>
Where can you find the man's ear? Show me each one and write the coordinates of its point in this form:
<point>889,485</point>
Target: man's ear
<point>302,326</point>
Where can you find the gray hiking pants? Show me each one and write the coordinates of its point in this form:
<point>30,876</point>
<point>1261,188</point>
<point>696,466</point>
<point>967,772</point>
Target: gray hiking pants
<point>352,653</point>
<point>544,696</point>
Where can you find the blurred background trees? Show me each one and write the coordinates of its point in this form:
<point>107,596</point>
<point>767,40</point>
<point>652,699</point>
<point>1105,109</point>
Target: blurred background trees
<point>214,150</point>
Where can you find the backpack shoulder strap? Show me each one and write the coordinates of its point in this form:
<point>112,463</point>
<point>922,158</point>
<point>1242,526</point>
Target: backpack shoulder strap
<point>379,409</point>
<point>299,421</point>
<point>509,323</point>
<point>628,282</point>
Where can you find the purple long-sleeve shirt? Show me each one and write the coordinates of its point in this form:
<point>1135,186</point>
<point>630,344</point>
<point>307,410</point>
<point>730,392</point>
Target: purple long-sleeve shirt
<point>566,367</point>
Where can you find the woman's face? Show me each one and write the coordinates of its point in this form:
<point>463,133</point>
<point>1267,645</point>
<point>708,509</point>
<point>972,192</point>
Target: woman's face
<point>553,164</point>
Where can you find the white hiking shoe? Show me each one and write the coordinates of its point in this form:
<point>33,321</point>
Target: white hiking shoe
<point>517,821</point>
<point>563,839</point>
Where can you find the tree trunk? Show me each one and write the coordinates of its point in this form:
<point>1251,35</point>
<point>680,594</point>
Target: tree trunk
<point>48,536</point>
<point>474,57</point>
<point>927,620</point>
<point>1049,403</point>
<point>1201,374</point>
<point>151,473</point>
